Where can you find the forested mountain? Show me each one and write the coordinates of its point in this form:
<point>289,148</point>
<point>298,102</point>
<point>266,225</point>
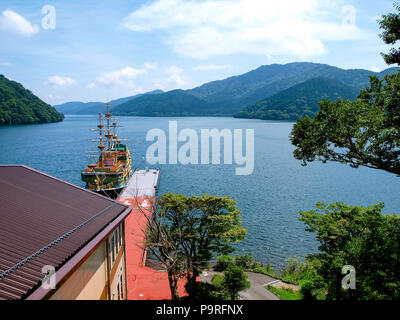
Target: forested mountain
<point>172,103</point>
<point>20,106</point>
<point>238,92</point>
<point>77,107</point>
<point>232,95</point>
<point>299,100</point>
<point>229,96</point>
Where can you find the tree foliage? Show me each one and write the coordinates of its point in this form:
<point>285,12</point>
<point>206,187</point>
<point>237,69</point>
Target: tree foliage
<point>160,240</point>
<point>20,106</point>
<point>390,23</point>
<point>235,280</point>
<point>186,231</point>
<point>299,100</point>
<point>356,236</point>
<point>202,226</point>
<point>364,132</point>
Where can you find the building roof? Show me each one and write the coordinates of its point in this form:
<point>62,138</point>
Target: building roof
<point>44,221</point>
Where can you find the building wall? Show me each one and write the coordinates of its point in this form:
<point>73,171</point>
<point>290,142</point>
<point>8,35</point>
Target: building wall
<point>90,280</point>
<point>116,257</point>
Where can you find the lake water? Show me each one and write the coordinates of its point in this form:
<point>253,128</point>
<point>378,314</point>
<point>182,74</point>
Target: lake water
<point>269,199</point>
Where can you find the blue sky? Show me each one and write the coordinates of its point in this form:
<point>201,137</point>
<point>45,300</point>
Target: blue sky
<point>103,50</point>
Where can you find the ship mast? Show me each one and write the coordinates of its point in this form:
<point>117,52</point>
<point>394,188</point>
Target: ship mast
<point>109,136</point>
<point>101,146</point>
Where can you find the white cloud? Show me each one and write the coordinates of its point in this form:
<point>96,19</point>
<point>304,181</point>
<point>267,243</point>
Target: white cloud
<point>151,66</point>
<point>176,81</point>
<point>375,69</point>
<point>171,82</point>
<point>173,70</point>
<point>59,81</point>
<point>52,97</point>
<point>202,29</point>
<point>91,85</point>
<point>13,22</point>
<point>123,77</point>
<point>211,67</point>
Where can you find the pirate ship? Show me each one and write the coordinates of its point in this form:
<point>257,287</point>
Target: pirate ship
<point>110,174</point>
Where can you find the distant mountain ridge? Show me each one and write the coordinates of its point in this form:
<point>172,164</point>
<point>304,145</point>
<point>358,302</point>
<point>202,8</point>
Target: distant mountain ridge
<point>172,103</point>
<point>234,94</point>
<point>20,106</point>
<point>77,107</point>
<point>268,80</point>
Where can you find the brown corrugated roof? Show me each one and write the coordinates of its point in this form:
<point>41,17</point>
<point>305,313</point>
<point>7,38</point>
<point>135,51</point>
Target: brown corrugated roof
<point>44,221</point>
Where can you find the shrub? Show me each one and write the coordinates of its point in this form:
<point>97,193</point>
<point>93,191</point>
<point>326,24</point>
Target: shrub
<point>244,261</point>
<point>222,262</point>
<point>201,291</point>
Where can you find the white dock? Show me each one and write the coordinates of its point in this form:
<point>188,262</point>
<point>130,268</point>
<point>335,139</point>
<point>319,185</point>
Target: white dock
<point>143,183</point>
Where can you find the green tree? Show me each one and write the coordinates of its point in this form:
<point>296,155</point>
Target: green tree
<point>390,23</point>
<point>364,132</point>
<point>184,232</point>
<point>235,280</point>
<point>202,291</point>
<point>223,261</point>
<point>357,236</point>
<point>160,240</point>
<point>202,226</point>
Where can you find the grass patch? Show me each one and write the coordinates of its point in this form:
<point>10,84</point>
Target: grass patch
<point>264,270</point>
<point>286,293</point>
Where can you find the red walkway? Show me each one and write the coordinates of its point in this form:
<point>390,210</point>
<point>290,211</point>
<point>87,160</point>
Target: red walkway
<point>143,283</point>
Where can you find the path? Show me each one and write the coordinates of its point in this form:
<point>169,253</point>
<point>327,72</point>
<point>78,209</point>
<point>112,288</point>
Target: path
<point>255,292</point>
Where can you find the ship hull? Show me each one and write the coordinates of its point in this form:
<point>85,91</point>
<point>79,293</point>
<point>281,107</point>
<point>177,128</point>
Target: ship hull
<point>110,193</point>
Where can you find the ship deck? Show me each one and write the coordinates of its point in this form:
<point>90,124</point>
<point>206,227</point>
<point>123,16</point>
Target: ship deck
<point>143,283</point>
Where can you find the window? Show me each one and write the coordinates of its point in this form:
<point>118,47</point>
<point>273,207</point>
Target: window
<point>117,239</point>
<point>121,233</point>
<point>115,243</point>
<point>112,249</point>
<point>122,288</point>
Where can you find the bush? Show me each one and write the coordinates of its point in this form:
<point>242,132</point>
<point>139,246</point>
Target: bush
<point>201,291</point>
<point>222,262</point>
<point>291,272</point>
<point>218,281</point>
<point>245,261</point>
<point>235,280</point>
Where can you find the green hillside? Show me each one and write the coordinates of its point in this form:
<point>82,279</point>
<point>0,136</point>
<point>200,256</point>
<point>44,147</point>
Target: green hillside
<point>232,95</point>
<point>299,100</point>
<point>20,106</point>
<point>172,103</point>
<point>237,92</point>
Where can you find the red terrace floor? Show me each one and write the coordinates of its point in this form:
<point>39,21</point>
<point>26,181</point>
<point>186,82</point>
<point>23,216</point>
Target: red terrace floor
<point>143,283</point>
